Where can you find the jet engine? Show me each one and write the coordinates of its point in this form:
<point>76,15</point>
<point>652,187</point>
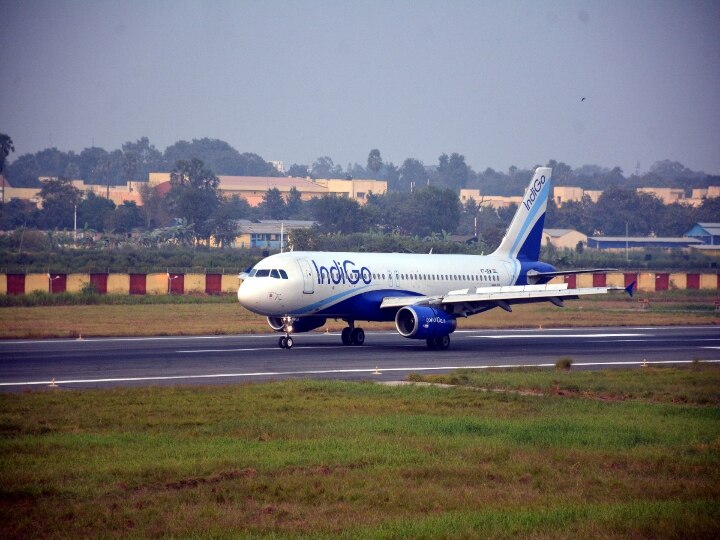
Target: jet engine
<point>424,322</point>
<point>304,324</point>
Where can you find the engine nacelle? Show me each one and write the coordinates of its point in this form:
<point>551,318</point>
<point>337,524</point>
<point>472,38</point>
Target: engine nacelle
<point>304,324</point>
<point>424,322</point>
<point>276,324</point>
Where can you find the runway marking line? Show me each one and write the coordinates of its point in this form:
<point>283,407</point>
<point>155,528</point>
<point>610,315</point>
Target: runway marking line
<point>331,372</point>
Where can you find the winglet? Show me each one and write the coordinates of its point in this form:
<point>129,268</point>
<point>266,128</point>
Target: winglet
<point>630,289</point>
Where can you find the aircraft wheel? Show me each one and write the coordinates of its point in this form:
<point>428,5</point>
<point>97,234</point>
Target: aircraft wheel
<point>282,342</point>
<point>443,343</point>
<point>432,343</point>
<point>288,342</point>
<point>345,336</point>
<point>357,337</point>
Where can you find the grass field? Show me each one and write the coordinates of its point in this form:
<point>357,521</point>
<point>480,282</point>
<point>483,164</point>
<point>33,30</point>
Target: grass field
<point>584,455</point>
<point>203,315</point>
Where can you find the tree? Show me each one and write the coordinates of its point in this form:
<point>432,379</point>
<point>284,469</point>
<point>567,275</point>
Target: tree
<point>125,218</point>
<point>140,158</point>
<point>452,171</point>
<point>18,213</point>
<point>412,173</point>
<point>273,205</point>
<point>298,171</point>
<point>6,146</point>
<point>223,224</point>
<point>194,194</point>
<point>155,207</point>
<point>374,162</point>
<point>323,167</point>
<point>59,199</point>
<point>562,173</point>
<point>92,211</point>
<point>339,215</point>
<point>435,210</point>
<point>294,204</point>
<point>220,157</point>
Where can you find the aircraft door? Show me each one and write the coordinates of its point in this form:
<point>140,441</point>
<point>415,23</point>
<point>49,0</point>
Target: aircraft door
<point>396,279</point>
<point>390,279</point>
<point>308,280</point>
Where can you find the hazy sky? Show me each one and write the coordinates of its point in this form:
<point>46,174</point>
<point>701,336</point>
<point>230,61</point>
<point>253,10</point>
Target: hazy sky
<point>500,82</point>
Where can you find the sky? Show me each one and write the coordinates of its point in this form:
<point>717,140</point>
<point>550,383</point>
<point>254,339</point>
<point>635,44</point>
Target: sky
<point>499,82</point>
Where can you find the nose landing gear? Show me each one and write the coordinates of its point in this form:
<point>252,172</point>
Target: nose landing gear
<point>286,341</point>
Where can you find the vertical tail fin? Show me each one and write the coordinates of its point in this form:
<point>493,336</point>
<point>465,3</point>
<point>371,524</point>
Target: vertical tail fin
<point>522,240</point>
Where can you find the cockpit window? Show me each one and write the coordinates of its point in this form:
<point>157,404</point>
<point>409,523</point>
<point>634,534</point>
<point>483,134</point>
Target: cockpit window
<point>275,274</point>
<point>252,272</point>
<point>262,273</point>
<point>283,274</point>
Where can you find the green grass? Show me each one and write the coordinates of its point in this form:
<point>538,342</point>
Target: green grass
<point>357,460</point>
<point>698,385</point>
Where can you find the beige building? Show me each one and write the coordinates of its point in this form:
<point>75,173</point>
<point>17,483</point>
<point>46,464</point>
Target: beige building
<point>563,238</point>
<point>496,201</point>
<point>666,195</point>
<point>563,194</point>
<point>354,189</point>
<point>9,193</point>
<point>252,188</point>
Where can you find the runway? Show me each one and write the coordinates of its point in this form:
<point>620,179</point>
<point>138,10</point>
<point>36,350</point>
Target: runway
<point>102,362</point>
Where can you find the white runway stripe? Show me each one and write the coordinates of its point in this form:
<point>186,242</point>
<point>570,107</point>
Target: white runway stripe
<point>330,372</point>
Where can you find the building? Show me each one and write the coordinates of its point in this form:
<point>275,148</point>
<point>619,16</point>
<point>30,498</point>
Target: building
<point>666,195</point>
<point>620,243</point>
<point>563,194</point>
<point>357,189</point>
<point>564,238</point>
<point>267,234</point>
<point>27,194</point>
<point>496,201</point>
<point>253,188</point>
<point>707,233</point>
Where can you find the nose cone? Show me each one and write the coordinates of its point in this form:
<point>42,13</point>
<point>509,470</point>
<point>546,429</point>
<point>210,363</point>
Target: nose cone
<point>247,298</point>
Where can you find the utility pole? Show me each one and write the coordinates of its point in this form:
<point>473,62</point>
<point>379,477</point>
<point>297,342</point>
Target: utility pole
<point>627,256</point>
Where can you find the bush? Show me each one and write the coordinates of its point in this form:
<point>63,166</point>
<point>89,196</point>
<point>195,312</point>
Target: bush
<point>564,363</point>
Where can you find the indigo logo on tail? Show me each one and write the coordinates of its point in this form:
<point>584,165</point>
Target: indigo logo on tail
<point>534,192</point>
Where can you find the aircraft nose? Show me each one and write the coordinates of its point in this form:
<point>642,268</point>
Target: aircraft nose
<point>244,296</point>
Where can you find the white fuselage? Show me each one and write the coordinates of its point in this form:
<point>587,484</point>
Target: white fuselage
<point>352,285</point>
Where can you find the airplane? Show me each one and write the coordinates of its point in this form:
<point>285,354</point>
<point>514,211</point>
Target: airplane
<point>424,294</point>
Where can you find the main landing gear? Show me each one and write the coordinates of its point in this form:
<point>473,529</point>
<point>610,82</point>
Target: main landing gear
<point>439,343</point>
<point>351,335</point>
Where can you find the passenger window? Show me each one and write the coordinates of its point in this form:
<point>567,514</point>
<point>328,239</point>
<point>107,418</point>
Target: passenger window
<point>262,273</point>
<point>283,274</point>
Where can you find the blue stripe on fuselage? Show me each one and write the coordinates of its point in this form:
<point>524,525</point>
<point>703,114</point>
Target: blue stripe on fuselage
<point>364,306</point>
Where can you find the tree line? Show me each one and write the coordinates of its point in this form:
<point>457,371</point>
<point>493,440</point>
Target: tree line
<point>135,159</point>
<point>424,204</point>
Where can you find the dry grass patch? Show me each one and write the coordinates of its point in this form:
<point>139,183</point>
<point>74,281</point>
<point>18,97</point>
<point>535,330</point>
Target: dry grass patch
<point>230,318</point>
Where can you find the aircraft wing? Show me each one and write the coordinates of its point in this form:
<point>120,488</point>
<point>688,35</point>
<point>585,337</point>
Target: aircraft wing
<point>533,276</point>
<point>466,302</point>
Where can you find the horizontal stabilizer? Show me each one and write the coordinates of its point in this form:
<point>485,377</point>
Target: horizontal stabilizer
<point>630,289</point>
